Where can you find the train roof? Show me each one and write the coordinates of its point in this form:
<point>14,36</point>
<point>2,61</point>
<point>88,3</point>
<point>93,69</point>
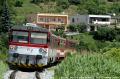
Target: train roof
<point>30,28</point>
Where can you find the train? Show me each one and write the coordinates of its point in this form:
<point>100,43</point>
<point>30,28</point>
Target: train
<point>35,47</point>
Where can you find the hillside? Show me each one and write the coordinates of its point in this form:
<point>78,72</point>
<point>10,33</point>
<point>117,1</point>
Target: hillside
<point>64,6</point>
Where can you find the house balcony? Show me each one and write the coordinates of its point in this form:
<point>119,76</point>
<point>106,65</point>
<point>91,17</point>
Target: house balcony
<point>101,22</point>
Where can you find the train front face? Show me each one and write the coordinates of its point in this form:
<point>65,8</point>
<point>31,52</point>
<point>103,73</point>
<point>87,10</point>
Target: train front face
<point>28,49</point>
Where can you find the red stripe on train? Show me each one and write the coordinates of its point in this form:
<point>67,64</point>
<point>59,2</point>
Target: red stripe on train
<point>29,45</point>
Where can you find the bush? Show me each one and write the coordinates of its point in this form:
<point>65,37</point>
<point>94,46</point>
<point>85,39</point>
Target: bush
<point>74,2</point>
<point>82,28</point>
<point>102,44</point>
<point>110,45</point>
<point>18,3</point>
<point>86,43</point>
<point>3,68</point>
<point>37,1</point>
<point>3,47</point>
<point>113,53</point>
<point>105,34</point>
<point>95,66</point>
<point>63,3</point>
<point>72,28</point>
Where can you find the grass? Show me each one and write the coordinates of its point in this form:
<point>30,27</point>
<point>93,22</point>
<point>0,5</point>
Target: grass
<point>3,68</point>
<point>88,65</point>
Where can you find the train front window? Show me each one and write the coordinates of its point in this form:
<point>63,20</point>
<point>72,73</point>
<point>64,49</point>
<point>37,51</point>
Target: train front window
<point>18,36</point>
<point>38,38</point>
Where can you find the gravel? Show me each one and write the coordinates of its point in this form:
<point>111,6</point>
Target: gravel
<point>46,74</point>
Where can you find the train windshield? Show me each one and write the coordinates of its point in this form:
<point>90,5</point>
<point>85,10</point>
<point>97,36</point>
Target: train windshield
<point>18,36</point>
<point>38,38</point>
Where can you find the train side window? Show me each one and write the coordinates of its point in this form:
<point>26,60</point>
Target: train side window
<point>38,38</point>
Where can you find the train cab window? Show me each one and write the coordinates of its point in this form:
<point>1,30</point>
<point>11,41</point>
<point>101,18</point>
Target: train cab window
<point>38,38</point>
<point>18,36</point>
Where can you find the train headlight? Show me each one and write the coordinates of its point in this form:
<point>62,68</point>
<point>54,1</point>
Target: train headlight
<point>43,52</point>
<point>12,47</point>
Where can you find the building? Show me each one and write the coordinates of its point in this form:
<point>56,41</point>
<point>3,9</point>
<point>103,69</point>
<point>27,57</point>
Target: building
<point>91,21</point>
<point>52,21</point>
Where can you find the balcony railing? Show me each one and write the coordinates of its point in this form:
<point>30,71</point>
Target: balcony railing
<point>101,22</point>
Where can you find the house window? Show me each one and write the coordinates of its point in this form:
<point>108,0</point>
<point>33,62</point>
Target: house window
<point>73,20</point>
<point>41,19</point>
<point>77,19</point>
<point>53,19</point>
<point>59,20</point>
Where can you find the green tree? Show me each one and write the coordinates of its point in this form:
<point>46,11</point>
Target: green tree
<point>86,43</point>
<point>82,28</point>
<point>74,2</point>
<point>37,1</point>
<point>5,18</point>
<point>18,3</point>
<point>115,8</point>
<point>72,28</point>
<point>63,3</point>
<point>105,33</point>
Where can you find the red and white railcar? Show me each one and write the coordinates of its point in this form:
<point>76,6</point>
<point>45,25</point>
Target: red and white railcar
<point>35,46</point>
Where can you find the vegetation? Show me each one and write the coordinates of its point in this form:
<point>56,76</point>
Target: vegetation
<point>98,56</point>
<point>5,18</point>
<point>20,9</point>
<point>105,33</point>
<point>18,3</point>
<point>3,47</point>
<point>81,28</point>
<point>3,69</point>
<point>89,65</point>
<point>86,42</point>
<point>105,42</point>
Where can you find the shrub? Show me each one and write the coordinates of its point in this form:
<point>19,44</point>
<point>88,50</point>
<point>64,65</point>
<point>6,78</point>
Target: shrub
<point>63,3</point>
<point>3,46</point>
<point>105,33</point>
<point>95,66</point>
<point>110,45</point>
<point>113,53</point>
<point>72,28</point>
<point>18,3</point>
<point>37,1</point>
<point>3,68</point>
<point>86,43</point>
<point>102,44</point>
<point>74,2</point>
<point>82,28</point>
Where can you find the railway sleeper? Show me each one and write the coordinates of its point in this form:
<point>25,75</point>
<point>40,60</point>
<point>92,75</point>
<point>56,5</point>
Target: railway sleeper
<point>37,75</point>
<point>12,75</point>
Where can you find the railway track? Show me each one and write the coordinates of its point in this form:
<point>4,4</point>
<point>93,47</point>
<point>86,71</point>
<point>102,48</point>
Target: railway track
<point>37,75</point>
<point>17,74</point>
<point>12,75</point>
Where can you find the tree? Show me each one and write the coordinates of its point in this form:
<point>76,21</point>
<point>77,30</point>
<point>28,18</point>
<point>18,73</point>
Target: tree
<point>5,18</point>
<point>63,3</point>
<point>18,3</point>
<point>74,2</point>
<point>115,8</point>
<point>105,34</point>
<point>82,28</point>
<point>37,1</point>
<point>72,28</point>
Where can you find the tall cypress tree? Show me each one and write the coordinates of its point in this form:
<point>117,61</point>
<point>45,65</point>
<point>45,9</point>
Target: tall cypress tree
<point>5,24</point>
